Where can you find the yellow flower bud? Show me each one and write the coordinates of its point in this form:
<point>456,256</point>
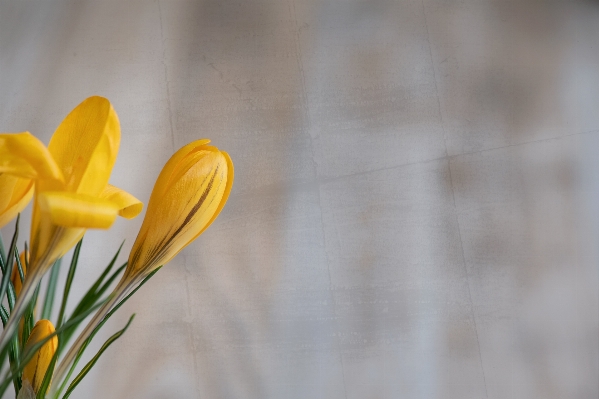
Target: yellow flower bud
<point>15,194</point>
<point>188,195</point>
<point>35,370</point>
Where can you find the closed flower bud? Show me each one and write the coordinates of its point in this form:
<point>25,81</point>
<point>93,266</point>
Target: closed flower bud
<point>188,195</point>
<point>35,370</point>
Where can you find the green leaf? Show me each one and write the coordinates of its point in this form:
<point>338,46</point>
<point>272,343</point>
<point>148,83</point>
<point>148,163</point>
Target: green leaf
<point>41,393</point>
<point>118,305</point>
<point>19,266</point>
<point>100,325</point>
<point>108,282</point>
<point>7,267</point>
<point>10,291</point>
<point>29,317</point>
<point>67,287</point>
<point>51,290</point>
<point>92,290</point>
<point>13,352</point>
<point>2,251</point>
<point>85,303</point>
<point>94,359</point>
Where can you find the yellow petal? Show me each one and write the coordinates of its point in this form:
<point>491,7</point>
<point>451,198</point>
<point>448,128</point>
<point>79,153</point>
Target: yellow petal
<point>129,206</point>
<point>225,197</point>
<point>35,370</point>
<point>23,155</point>
<point>85,146</point>
<point>77,210</point>
<point>15,194</point>
<point>188,195</point>
<point>168,171</point>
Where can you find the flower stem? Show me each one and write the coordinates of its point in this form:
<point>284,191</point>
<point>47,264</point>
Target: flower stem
<point>120,290</point>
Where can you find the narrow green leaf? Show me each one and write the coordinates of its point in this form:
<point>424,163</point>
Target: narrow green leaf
<point>26,257</point>
<point>92,294</point>
<point>4,352</point>
<point>110,280</point>
<point>92,290</point>
<point>2,251</point>
<point>51,290</point>
<point>13,353</point>
<point>29,316</point>
<point>19,266</point>
<point>10,291</point>
<point>86,302</point>
<point>13,242</point>
<point>94,359</point>
<point>7,267</point>
<point>27,324</point>
<point>99,326</point>
<point>67,287</point>
<point>41,393</point>
<point>118,305</point>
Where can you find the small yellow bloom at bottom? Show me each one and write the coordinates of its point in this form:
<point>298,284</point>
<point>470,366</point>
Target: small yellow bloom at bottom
<point>35,370</point>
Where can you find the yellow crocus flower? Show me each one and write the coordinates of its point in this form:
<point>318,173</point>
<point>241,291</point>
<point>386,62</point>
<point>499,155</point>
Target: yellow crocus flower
<point>15,194</point>
<point>188,195</point>
<point>72,192</point>
<point>35,370</point>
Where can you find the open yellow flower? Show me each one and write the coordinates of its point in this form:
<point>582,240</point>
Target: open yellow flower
<point>35,370</point>
<point>188,195</point>
<point>72,192</point>
<point>15,194</point>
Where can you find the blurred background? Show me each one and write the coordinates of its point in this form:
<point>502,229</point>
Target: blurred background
<point>416,205</point>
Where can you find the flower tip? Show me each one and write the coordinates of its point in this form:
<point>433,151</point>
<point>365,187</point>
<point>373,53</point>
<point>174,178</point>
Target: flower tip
<point>96,99</point>
<point>131,211</point>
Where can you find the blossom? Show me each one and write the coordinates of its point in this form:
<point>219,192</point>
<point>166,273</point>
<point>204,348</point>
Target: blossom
<point>71,186</point>
<point>35,370</point>
<point>188,195</point>
<point>15,194</point>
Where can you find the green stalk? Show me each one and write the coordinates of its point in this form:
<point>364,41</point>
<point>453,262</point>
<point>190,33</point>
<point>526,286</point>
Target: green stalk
<point>67,287</point>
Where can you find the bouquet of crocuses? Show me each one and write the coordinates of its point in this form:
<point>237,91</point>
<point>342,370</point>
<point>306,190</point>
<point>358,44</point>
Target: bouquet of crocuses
<point>68,182</point>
